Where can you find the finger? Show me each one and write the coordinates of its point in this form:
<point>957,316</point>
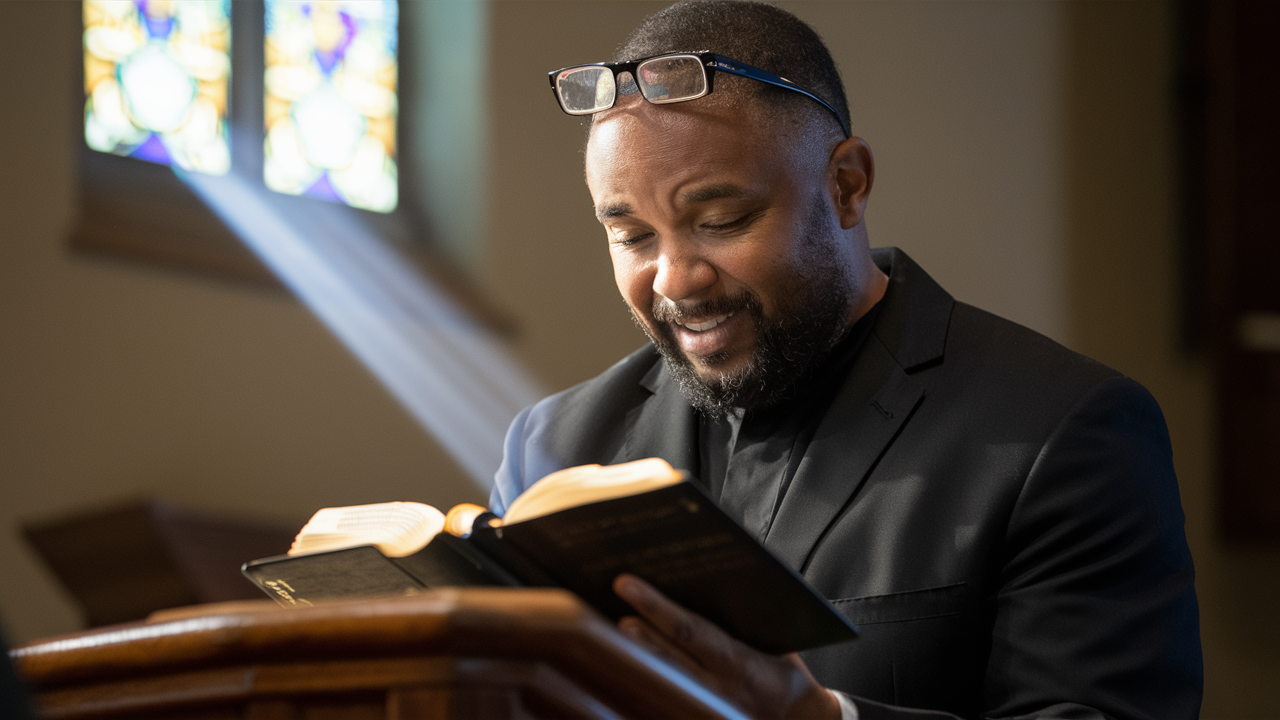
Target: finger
<point>639,630</point>
<point>645,635</point>
<point>669,618</point>
<point>705,642</point>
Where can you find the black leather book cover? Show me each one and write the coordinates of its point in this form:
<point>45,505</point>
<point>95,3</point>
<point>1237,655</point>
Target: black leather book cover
<point>302,579</point>
<point>678,540</point>
<point>364,571</point>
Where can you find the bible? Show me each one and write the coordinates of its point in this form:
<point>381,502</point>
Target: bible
<point>576,529</point>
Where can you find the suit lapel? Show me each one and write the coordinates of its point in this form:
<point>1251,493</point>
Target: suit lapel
<point>663,426</point>
<point>876,400</point>
<point>871,407</point>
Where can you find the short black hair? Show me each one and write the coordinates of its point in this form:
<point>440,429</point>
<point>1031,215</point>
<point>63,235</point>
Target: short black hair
<point>755,33</point>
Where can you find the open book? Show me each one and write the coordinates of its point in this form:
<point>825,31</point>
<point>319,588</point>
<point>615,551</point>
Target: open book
<point>578,529</point>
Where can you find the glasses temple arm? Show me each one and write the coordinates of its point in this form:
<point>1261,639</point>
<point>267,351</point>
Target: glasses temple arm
<point>726,65</point>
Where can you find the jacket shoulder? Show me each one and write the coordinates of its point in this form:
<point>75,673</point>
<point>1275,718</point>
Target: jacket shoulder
<point>582,425</point>
<point>606,392</point>
<point>1016,356</point>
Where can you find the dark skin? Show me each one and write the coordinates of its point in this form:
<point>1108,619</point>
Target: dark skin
<point>702,200</point>
<point>761,685</point>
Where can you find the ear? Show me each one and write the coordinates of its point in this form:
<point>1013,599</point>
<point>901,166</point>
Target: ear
<point>850,172</point>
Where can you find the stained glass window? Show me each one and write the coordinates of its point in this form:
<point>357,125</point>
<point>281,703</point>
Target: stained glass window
<point>156,76</point>
<point>330,88</point>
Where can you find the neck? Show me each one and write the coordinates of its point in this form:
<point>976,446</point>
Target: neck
<point>870,282</point>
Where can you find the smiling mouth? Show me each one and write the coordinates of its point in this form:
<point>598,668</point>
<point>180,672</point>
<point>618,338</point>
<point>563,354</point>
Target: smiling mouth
<point>705,324</point>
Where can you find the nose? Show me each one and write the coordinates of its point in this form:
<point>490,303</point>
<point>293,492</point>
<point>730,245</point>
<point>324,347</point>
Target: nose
<point>683,273</point>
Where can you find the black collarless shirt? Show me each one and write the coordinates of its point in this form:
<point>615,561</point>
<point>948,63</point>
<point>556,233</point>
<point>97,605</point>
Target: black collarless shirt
<point>748,458</point>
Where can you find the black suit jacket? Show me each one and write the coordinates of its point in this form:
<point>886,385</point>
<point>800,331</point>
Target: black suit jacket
<point>999,515</point>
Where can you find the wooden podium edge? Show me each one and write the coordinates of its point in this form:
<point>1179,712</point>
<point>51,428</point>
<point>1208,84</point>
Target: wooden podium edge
<point>534,625</point>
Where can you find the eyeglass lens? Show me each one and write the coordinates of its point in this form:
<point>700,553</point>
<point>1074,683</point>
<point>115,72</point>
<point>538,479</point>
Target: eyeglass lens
<point>590,89</point>
<point>586,90</point>
<point>672,79</point>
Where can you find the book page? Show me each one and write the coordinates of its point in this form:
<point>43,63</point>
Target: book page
<point>590,483</point>
<point>395,528</point>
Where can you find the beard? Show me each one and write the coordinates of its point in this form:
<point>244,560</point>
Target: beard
<point>811,314</point>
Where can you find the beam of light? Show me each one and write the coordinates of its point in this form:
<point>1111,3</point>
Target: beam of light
<point>447,370</point>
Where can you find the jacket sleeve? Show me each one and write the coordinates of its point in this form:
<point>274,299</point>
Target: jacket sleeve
<point>509,481</point>
<point>1095,614</point>
<point>1097,602</point>
<point>529,452</point>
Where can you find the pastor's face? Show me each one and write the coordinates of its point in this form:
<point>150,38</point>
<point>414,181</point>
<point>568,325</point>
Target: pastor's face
<point>715,226</point>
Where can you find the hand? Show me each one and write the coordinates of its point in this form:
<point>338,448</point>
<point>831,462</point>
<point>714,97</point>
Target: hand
<point>761,685</point>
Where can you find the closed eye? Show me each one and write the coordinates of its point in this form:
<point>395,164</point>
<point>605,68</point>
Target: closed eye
<point>732,225</point>
<point>629,240</point>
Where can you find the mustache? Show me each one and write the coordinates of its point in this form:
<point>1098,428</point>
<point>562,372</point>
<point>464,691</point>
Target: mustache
<point>664,310</point>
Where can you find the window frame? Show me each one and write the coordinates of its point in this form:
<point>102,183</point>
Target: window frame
<point>141,212</point>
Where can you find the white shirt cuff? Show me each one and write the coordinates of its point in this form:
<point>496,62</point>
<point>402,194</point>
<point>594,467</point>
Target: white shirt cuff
<point>848,711</point>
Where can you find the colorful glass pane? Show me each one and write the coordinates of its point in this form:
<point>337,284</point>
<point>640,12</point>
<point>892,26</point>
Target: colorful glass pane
<point>155,80</point>
<point>330,88</point>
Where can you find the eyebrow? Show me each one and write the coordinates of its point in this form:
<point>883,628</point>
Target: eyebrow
<point>612,211</point>
<point>722,191</point>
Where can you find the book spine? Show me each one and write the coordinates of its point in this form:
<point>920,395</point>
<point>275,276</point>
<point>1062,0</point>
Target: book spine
<point>453,561</point>
<point>490,542</point>
<point>491,568</point>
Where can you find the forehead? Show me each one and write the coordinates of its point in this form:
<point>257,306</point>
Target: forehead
<point>637,146</point>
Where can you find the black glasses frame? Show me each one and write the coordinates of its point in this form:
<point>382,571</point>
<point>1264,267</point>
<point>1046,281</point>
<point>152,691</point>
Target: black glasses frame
<point>711,62</point>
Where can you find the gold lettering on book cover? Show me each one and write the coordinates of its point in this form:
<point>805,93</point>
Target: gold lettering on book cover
<point>285,591</point>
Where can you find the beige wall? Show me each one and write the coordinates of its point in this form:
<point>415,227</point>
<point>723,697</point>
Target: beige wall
<point>1025,157</point>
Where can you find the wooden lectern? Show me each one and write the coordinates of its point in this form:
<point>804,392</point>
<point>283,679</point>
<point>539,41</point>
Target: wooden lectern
<point>448,653</point>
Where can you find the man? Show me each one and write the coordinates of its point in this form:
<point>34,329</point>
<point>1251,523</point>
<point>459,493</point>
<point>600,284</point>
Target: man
<point>998,514</point>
